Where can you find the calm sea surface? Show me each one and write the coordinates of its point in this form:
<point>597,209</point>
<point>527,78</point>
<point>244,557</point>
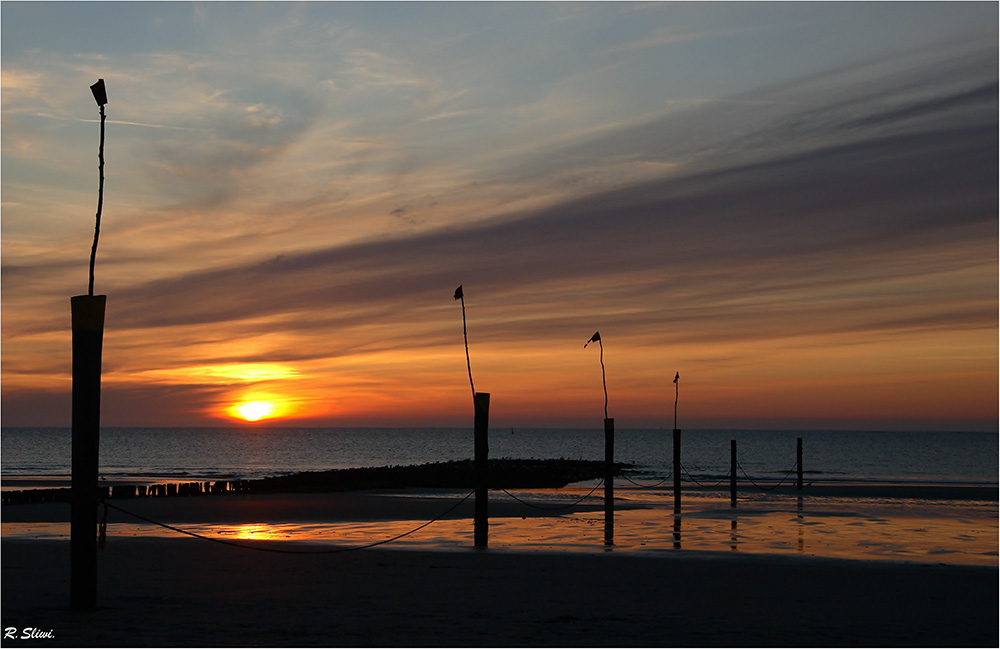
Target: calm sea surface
<point>199,454</point>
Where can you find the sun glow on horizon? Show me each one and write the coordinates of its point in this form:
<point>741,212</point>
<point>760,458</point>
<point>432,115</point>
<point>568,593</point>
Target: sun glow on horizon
<point>254,410</point>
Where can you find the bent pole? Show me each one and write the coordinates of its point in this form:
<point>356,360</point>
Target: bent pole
<point>101,96</point>
<point>459,295</point>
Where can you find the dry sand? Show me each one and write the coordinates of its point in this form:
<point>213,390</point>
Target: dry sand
<point>189,592</point>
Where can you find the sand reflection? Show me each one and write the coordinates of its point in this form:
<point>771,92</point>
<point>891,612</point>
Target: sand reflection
<point>956,532</point>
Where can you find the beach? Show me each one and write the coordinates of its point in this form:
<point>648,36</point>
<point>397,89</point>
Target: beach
<point>175,590</point>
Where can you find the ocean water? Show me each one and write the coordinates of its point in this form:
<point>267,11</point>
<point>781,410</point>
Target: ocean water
<point>202,454</point>
<point>920,525</point>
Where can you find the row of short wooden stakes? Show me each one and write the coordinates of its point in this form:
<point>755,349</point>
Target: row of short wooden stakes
<point>33,496</point>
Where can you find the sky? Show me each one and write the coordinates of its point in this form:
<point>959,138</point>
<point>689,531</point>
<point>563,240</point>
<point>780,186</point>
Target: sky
<point>793,205</point>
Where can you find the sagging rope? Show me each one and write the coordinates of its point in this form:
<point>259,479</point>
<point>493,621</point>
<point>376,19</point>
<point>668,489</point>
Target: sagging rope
<point>287,551</point>
<point>771,488</point>
<point>557,507</point>
<point>648,486</point>
<point>692,478</point>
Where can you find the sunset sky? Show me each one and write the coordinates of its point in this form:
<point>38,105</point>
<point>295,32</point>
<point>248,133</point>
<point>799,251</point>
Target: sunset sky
<point>794,205</point>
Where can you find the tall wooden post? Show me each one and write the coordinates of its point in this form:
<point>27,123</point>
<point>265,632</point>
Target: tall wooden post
<point>609,481</point>
<point>732,473</point>
<point>88,339</point>
<point>677,469</point>
<point>798,462</point>
<point>482,424</point>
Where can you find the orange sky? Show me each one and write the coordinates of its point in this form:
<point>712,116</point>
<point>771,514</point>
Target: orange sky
<point>806,231</point>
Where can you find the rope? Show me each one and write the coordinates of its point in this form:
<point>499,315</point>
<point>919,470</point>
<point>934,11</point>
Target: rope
<point>692,479</point>
<point>765,489</point>
<point>648,486</point>
<point>287,551</point>
<point>557,507</point>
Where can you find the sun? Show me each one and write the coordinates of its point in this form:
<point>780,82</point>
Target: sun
<point>258,405</point>
<point>255,410</point>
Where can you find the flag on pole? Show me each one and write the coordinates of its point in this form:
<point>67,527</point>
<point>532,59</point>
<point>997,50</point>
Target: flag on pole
<point>458,292</point>
<point>593,339</point>
<point>100,92</point>
<point>677,377</point>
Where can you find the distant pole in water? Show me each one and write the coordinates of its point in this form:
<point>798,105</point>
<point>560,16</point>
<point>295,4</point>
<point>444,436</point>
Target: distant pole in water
<point>733,464</point>
<point>609,454</point>
<point>677,449</point>
<point>798,463</point>
<point>677,470</point>
<point>481,424</point>
<point>461,296</point>
<point>609,481</point>
<point>597,338</point>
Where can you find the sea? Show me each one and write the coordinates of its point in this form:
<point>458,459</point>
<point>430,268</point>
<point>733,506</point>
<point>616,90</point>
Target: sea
<point>150,455</point>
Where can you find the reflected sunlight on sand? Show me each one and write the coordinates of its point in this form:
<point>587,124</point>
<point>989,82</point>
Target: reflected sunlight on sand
<point>952,532</point>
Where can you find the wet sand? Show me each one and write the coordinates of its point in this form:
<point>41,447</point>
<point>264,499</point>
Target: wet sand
<point>184,592</point>
<point>961,532</point>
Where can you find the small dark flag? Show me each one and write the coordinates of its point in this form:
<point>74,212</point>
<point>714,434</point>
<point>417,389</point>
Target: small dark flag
<point>458,292</point>
<point>100,93</point>
<point>593,339</point>
<point>677,377</point>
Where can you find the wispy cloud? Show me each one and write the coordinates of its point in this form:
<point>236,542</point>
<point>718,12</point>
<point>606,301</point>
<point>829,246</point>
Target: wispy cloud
<point>307,192</point>
<point>673,34</point>
<point>120,122</point>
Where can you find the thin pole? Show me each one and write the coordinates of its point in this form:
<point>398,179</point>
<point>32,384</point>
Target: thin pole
<point>677,450</point>
<point>597,338</point>
<point>732,473</point>
<point>604,379</point>
<point>798,462</point>
<point>468,361</point>
<point>459,295</point>
<point>677,378</point>
<point>100,205</point>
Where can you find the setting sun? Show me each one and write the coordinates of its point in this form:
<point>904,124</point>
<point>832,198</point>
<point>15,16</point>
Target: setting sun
<point>255,410</point>
<point>258,405</point>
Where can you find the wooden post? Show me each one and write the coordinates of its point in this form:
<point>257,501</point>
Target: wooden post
<point>609,482</point>
<point>482,423</point>
<point>798,462</point>
<point>88,341</point>
<point>677,469</point>
<point>732,473</point>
